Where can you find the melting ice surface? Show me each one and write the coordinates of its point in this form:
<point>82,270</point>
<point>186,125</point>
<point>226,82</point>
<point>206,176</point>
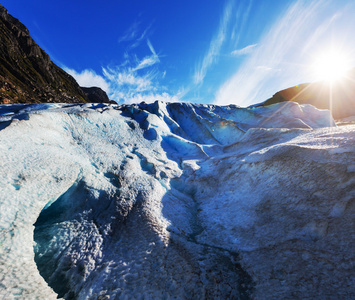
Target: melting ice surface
<point>160,201</point>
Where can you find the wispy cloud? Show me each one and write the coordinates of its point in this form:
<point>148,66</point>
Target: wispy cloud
<point>151,48</point>
<point>215,45</point>
<point>131,33</point>
<point>246,50</point>
<point>148,61</point>
<point>135,80</point>
<point>125,85</point>
<point>135,35</point>
<point>282,56</point>
<point>127,78</point>
<point>318,32</point>
<point>129,87</point>
<point>144,35</point>
<point>241,17</point>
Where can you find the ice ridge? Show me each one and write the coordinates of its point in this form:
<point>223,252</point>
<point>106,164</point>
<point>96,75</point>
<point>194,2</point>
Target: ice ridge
<point>175,200</point>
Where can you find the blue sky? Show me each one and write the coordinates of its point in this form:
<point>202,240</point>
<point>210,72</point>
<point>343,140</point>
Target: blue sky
<point>203,51</point>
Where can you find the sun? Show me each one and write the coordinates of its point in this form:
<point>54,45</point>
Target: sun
<point>331,66</point>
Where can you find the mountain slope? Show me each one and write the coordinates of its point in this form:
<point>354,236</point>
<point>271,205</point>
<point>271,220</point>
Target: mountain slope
<point>338,97</point>
<point>27,75</point>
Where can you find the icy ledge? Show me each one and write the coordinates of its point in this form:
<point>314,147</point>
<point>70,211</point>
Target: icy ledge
<point>175,201</point>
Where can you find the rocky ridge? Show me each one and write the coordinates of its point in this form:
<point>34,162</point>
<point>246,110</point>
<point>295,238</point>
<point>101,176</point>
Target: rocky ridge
<point>27,74</point>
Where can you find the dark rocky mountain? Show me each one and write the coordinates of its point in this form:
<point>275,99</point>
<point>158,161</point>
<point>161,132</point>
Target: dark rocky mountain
<point>27,74</point>
<point>338,97</point>
<point>95,94</point>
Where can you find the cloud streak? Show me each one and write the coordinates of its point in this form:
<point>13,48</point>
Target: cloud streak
<point>241,17</point>
<point>246,50</point>
<point>215,45</point>
<point>134,35</point>
<point>131,33</point>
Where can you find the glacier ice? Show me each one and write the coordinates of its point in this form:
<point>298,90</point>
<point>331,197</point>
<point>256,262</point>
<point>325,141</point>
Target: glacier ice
<point>175,201</point>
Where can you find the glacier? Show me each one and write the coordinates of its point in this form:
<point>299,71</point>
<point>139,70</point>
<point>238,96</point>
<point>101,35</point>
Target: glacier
<point>175,201</point>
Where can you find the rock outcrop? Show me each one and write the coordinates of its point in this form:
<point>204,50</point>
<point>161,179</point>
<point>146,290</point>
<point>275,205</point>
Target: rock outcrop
<point>96,94</point>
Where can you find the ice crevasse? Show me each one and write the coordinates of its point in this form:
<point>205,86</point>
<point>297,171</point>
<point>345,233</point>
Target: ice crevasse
<point>175,200</point>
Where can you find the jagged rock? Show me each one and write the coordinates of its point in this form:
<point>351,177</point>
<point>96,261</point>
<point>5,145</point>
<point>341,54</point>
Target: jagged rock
<point>27,74</point>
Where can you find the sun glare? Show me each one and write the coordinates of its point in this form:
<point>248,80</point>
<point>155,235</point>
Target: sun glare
<point>331,66</point>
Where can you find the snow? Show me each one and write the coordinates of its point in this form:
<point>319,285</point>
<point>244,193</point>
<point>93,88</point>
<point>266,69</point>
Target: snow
<point>164,200</point>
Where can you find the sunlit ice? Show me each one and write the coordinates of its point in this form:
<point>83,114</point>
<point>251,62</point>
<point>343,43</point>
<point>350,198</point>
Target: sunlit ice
<point>331,65</point>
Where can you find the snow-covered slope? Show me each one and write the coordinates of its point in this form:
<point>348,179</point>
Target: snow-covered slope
<point>160,201</point>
